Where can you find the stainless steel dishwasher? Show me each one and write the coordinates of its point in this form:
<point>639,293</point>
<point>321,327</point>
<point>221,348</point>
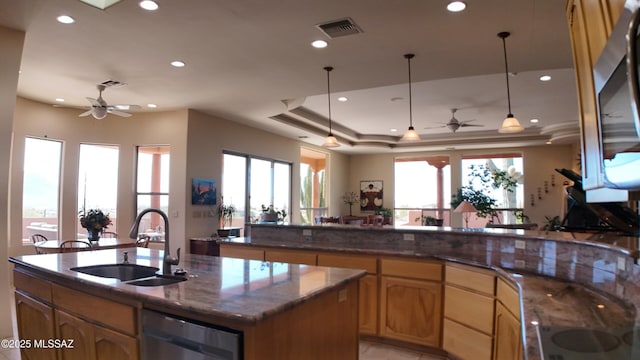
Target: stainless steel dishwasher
<point>168,337</point>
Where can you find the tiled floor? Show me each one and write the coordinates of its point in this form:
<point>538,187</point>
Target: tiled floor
<point>368,351</point>
<point>375,351</point>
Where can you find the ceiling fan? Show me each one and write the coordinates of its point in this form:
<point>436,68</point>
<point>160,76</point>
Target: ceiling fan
<point>99,107</point>
<point>454,124</point>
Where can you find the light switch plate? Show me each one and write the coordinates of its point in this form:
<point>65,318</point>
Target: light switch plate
<point>521,244</point>
<point>621,263</point>
<point>306,232</point>
<point>408,237</point>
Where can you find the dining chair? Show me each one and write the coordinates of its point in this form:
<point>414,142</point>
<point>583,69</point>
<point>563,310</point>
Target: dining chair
<point>354,220</point>
<point>328,220</point>
<point>36,238</point>
<point>376,220</point>
<point>74,245</point>
<point>109,234</point>
<point>143,241</point>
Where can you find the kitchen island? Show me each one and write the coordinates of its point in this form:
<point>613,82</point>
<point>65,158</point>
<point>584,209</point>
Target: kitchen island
<point>281,311</point>
<point>581,286</point>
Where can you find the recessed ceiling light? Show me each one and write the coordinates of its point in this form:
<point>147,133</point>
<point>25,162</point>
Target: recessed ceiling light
<point>152,105</point>
<point>59,99</point>
<point>393,130</point>
<point>534,121</point>
<point>65,19</point>
<point>177,63</point>
<point>456,6</point>
<point>548,142</point>
<point>545,78</point>
<point>148,5</point>
<point>319,44</point>
<point>342,98</point>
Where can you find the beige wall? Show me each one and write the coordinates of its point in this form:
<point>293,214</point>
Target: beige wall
<point>11,42</point>
<point>539,164</point>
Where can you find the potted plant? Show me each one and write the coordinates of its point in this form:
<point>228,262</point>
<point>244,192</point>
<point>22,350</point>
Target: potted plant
<point>95,221</point>
<point>225,217</point>
<point>350,198</point>
<point>386,212</point>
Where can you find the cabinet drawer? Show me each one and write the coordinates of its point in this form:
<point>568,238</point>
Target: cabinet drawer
<point>241,252</point>
<point>349,261</point>
<point>415,269</point>
<point>469,308</point>
<point>471,278</point>
<point>118,316</point>
<point>465,342</point>
<point>509,297</point>
<point>35,287</point>
<point>291,256</point>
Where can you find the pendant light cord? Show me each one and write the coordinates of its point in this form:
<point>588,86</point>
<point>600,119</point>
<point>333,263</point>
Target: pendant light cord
<point>409,57</point>
<point>504,35</point>
<point>328,69</point>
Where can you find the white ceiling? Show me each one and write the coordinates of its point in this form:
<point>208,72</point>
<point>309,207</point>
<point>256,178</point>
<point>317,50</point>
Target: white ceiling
<point>251,61</point>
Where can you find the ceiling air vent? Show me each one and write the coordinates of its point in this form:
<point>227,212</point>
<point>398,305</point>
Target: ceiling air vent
<point>112,83</point>
<point>337,28</point>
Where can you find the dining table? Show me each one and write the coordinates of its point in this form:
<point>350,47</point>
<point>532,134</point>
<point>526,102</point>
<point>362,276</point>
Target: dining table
<point>53,246</point>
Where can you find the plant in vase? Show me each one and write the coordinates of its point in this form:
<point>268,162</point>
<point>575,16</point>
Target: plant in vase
<point>225,217</point>
<point>95,221</point>
<point>386,212</point>
<point>351,198</point>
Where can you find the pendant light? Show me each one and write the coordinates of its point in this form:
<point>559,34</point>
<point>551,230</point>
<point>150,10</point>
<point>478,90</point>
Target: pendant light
<point>411,134</point>
<point>510,123</point>
<point>330,140</point>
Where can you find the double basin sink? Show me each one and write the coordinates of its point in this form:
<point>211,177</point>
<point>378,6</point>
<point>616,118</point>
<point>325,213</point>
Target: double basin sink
<point>132,274</point>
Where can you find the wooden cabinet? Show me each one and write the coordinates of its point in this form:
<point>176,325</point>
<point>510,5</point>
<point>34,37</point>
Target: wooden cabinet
<point>368,286</point>
<point>35,322</point>
<point>100,328</point>
<point>291,256</point>
<point>242,252</point>
<point>590,23</point>
<point>508,329</point>
<point>411,301</point>
<point>468,312</point>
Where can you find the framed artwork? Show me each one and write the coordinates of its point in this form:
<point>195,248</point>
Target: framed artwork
<point>370,195</point>
<point>203,191</point>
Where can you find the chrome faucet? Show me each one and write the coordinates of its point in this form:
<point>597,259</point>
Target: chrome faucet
<point>168,259</point>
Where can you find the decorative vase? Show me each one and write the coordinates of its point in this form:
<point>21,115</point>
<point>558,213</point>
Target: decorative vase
<point>93,235</point>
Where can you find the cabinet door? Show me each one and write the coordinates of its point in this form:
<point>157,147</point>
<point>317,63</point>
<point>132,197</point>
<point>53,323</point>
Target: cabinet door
<point>71,327</point>
<point>241,252</point>
<point>411,310</point>
<point>111,345</point>
<point>368,304</point>
<point>291,256</point>
<point>35,322</point>
<point>508,337</point>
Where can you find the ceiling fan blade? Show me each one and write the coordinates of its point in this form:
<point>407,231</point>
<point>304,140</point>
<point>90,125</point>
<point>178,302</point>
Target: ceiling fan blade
<point>118,112</point>
<point>86,113</point>
<point>94,102</point>
<point>465,124</point>
<point>125,107</point>
<point>436,127</point>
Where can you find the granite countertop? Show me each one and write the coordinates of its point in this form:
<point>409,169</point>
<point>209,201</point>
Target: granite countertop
<point>566,280</point>
<point>245,291</point>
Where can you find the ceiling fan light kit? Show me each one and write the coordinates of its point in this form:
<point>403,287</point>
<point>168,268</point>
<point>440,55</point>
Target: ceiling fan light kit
<point>410,134</point>
<point>510,124</point>
<point>330,141</point>
<point>100,109</point>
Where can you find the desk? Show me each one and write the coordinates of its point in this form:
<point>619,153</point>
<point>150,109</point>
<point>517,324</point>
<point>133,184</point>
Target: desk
<point>53,246</point>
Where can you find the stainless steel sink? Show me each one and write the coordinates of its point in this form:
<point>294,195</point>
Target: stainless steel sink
<point>157,281</point>
<point>123,272</point>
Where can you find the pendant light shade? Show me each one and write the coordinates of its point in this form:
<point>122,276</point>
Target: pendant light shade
<point>411,134</point>
<point>330,140</point>
<point>510,123</point>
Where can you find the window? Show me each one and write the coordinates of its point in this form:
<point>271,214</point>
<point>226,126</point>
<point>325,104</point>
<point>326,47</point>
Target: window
<point>313,172</point>
<point>268,182</point>
<point>41,188</point>
<point>152,187</point>
<point>422,189</point>
<point>499,176</point>
<point>98,182</point>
